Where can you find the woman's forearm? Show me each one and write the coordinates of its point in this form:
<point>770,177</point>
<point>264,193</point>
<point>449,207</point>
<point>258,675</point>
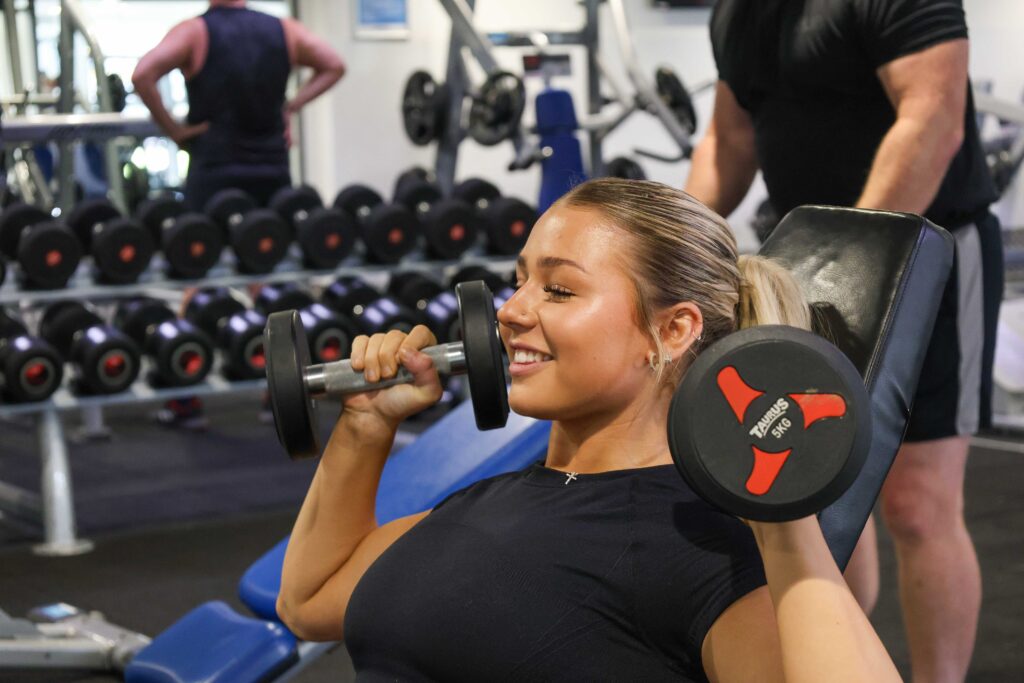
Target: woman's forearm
<point>823,633</point>
<point>338,511</point>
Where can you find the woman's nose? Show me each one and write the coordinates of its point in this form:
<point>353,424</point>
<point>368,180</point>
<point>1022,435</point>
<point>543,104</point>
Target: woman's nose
<point>515,312</point>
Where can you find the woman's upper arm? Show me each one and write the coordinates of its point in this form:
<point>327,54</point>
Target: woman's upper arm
<point>322,617</point>
<point>743,643</point>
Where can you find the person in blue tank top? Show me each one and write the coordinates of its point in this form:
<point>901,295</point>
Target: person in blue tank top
<point>236,63</point>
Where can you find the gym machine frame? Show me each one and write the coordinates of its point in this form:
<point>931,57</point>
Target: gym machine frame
<point>481,46</point>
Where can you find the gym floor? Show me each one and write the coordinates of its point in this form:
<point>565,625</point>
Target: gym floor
<point>177,517</point>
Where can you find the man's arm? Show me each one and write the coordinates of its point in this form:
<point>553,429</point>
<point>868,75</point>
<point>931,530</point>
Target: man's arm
<point>928,90</point>
<point>173,52</point>
<point>724,163</point>
<point>306,49</point>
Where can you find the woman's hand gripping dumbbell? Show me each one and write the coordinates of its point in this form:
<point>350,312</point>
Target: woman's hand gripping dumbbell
<point>294,383</point>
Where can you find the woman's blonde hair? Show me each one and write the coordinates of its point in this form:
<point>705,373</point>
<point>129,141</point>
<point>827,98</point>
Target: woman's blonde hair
<point>680,250</point>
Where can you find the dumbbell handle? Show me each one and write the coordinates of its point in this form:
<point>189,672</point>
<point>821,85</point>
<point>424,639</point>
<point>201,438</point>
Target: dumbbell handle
<point>337,378</point>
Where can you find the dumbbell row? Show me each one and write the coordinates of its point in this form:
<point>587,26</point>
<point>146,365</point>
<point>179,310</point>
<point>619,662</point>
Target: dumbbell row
<point>49,251</point>
<point>105,359</point>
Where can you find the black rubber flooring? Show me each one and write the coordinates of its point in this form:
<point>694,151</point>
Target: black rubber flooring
<point>177,518</point>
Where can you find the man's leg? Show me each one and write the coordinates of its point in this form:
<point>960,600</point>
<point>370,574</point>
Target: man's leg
<point>862,570</point>
<point>939,577</point>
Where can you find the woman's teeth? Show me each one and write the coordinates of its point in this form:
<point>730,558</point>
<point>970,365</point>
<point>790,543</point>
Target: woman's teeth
<point>521,356</point>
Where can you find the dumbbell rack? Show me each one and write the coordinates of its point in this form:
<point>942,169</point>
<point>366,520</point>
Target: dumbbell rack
<point>53,507</point>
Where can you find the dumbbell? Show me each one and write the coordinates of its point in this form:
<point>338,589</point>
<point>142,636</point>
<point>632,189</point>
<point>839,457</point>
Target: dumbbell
<point>190,241</point>
<point>47,251</point>
<point>329,333</point>
<point>437,306</point>
<point>121,248</point>
<point>237,331</point>
<point>413,174</point>
<point>258,237</point>
<point>182,354</point>
<point>450,226</point>
<point>389,231</point>
<point>368,309</point>
<point>507,220</point>
<point>325,236</point>
<point>105,360</point>
<point>294,382</point>
<point>30,368</point>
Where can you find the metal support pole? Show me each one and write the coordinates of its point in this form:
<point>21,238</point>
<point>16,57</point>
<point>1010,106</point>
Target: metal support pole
<point>66,104</point>
<point>93,428</point>
<point>55,485</point>
<point>13,46</point>
<point>451,136</point>
<point>591,37</point>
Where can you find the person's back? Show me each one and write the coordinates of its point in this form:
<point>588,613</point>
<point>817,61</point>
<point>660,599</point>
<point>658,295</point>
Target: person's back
<point>240,90</point>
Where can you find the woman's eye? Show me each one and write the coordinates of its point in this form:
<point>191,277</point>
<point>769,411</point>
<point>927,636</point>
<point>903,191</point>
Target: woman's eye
<point>557,292</point>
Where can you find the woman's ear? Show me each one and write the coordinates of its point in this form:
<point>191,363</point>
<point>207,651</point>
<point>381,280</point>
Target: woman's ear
<point>681,327</point>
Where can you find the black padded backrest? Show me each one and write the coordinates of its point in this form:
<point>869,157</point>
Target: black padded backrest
<point>875,280</point>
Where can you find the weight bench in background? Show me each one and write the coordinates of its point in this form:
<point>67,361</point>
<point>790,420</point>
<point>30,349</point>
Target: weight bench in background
<point>875,280</point>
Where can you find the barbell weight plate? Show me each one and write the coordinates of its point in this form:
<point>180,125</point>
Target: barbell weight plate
<point>122,249</point>
<point>771,423</point>
<point>118,93</point>
<point>625,168</point>
<point>497,109</point>
<point>674,94</point>
<point>295,414</point>
<point>485,369</point>
<point>424,106</point>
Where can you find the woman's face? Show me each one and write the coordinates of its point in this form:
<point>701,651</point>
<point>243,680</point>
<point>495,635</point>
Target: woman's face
<point>570,330</point>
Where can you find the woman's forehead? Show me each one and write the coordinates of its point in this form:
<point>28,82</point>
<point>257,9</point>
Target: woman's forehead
<point>581,235</point>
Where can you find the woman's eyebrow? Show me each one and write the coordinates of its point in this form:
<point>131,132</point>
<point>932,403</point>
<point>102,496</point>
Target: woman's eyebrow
<point>551,262</point>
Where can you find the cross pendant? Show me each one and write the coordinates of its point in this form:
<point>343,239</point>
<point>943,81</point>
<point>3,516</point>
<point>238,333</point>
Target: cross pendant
<point>569,476</point>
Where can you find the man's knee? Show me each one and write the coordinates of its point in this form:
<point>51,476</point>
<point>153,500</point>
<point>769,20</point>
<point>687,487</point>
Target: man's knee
<point>918,503</point>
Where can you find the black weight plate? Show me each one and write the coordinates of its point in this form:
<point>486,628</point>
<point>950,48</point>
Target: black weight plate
<point>118,93</point>
<point>674,94</point>
<point>497,109</point>
<point>326,237</point>
<point>182,360</point>
<point>771,423</point>
<point>49,255</point>
<point>389,232</point>
<point>157,212</point>
<point>136,316</point>
<point>107,361</point>
<point>349,295</point>
<point>424,105</point>
<point>357,200</point>
<point>227,206</point>
<point>241,338</point>
<point>508,222</point>
<point>14,219</point>
<point>413,289</point>
<point>295,415</point>
<point>281,297</point>
<point>208,307</point>
<point>625,168</point>
<point>60,322</point>
<point>383,315</point>
<point>86,215</point>
<point>476,192</point>
<point>295,203</point>
<point>330,334</point>
<point>414,174</point>
<point>450,227</point>
<point>32,369</point>
<point>192,245</point>
<point>418,195</point>
<point>122,249</point>
<point>485,367</point>
<point>260,241</point>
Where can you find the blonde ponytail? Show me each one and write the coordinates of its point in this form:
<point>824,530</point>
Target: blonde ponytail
<point>769,295</point>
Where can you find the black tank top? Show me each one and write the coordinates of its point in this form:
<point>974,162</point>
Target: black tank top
<point>240,90</point>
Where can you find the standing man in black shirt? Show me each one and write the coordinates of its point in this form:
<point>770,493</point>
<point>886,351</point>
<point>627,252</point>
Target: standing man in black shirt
<point>867,103</point>
<point>236,63</point>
